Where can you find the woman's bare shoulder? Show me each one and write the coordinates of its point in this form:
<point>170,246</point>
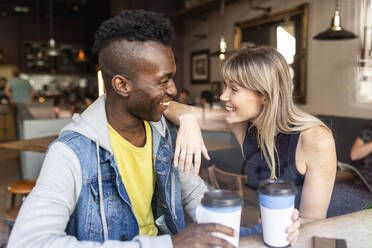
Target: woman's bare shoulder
<point>316,135</point>
<point>317,143</point>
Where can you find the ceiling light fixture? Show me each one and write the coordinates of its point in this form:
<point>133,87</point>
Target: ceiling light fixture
<point>81,57</point>
<point>52,50</point>
<point>222,50</point>
<point>335,32</point>
<point>223,45</point>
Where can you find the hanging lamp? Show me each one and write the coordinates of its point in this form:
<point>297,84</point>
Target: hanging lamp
<point>222,48</point>
<point>52,51</point>
<point>335,32</point>
<point>81,57</point>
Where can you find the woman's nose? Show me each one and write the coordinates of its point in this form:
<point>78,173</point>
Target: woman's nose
<point>224,96</point>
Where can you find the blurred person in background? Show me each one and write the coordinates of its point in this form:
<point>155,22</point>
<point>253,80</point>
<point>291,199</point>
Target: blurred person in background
<point>362,147</point>
<point>206,99</point>
<point>184,97</point>
<point>62,108</point>
<point>5,92</point>
<point>22,91</point>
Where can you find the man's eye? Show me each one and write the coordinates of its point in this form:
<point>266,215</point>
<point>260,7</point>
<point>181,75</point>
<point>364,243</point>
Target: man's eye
<point>165,82</point>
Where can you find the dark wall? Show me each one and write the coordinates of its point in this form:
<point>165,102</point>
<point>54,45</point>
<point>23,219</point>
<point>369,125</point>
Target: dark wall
<point>15,29</point>
<point>75,29</point>
<point>9,40</point>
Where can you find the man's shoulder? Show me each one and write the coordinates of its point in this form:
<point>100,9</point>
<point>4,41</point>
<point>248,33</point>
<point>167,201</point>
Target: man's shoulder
<point>12,81</point>
<point>67,136</point>
<point>18,81</point>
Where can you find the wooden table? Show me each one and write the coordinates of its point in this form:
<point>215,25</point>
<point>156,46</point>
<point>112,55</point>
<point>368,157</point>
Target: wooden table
<point>32,145</point>
<point>41,144</point>
<point>356,228</point>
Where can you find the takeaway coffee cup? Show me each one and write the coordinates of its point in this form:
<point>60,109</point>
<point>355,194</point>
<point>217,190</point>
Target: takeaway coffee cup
<point>276,199</point>
<point>223,207</point>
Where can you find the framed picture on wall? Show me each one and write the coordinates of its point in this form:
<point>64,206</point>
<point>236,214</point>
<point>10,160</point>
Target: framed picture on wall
<point>200,67</point>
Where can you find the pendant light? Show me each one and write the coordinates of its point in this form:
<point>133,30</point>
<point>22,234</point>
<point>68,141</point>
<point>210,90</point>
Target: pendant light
<point>223,45</point>
<point>81,57</point>
<point>335,32</point>
<point>52,51</point>
<point>222,50</point>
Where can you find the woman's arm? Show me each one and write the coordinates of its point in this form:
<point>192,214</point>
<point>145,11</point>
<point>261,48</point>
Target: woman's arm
<point>208,119</point>
<point>189,143</point>
<point>360,149</point>
<point>316,155</point>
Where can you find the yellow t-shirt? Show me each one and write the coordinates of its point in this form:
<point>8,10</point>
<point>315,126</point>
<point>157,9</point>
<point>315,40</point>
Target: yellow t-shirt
<point>137,173</point>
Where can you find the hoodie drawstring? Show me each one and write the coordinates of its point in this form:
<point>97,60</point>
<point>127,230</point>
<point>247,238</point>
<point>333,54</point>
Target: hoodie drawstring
<point>173,194</point>
<point>173,178</point>
<point>100,193</point>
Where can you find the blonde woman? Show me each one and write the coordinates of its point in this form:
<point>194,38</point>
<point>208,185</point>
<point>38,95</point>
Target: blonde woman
<point>277,139</point>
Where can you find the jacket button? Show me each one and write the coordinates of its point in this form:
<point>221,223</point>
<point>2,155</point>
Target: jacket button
<point>124,237</point>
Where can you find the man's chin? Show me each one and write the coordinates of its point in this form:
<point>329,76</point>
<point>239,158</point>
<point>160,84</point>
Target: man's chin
<point>156,118</point>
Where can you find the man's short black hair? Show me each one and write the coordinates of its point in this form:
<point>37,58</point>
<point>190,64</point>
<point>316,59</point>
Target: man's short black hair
<point>117,41</point>
<point>134,25</point>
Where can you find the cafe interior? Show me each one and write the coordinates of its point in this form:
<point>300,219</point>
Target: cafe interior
<point>327,44</point>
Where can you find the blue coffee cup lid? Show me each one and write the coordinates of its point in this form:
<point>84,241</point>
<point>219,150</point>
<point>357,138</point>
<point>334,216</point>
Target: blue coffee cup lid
<point>276,188</point>
<point>221,199</point>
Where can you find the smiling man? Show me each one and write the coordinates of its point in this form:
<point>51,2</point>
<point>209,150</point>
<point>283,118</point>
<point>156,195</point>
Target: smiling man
<point>108,180</point>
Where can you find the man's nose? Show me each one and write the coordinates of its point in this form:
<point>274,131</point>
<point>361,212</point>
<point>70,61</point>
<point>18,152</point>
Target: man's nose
<point>172,90</point>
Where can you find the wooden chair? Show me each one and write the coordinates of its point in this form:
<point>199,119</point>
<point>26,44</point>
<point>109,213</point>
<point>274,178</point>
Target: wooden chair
<point>22,187</point>
<point>221,179</point>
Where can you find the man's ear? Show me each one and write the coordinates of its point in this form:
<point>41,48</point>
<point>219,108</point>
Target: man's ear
<point>122,85</point>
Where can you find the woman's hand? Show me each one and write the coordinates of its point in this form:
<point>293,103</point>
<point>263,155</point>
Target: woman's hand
<point>189,145</point>
<point>293,230</point>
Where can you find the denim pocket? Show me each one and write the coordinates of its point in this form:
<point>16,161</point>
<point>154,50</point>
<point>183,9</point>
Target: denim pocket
<point>110,196</point>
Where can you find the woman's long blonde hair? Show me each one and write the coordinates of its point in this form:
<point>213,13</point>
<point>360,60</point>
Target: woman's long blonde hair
<point>264,70</point>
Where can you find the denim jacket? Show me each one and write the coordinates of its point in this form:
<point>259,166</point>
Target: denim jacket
<point>80,196</point>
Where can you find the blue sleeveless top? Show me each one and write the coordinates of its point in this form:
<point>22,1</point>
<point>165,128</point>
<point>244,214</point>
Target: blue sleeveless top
<point>255,166</point>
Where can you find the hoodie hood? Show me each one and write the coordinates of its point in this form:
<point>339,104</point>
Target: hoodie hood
<point>92,123</point>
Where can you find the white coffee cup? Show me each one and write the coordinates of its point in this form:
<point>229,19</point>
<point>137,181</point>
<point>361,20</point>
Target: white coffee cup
<point>223,207</point>
<point>276,199</point>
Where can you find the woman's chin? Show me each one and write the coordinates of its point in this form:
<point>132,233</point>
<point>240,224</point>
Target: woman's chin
<point>231,119</point>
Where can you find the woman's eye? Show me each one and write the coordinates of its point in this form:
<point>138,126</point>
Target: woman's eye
<point>234,89</point>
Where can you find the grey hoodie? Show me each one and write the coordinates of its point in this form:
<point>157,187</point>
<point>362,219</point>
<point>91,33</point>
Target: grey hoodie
<point>45,213</point>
